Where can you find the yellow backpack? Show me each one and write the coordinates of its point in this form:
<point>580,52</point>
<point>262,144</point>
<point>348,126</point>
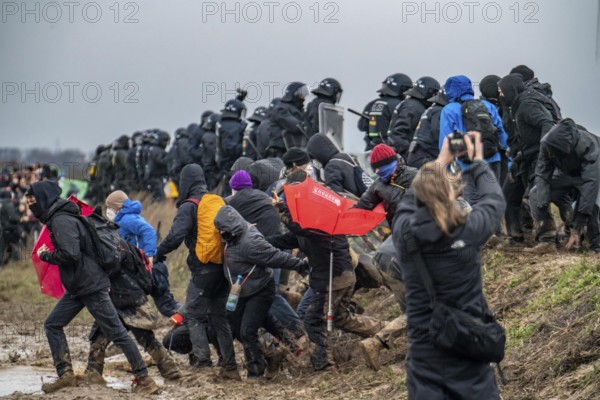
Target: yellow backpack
<point>209,246</point>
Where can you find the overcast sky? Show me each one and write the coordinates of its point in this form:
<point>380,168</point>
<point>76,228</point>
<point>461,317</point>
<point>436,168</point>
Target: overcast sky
<point>160,64</point>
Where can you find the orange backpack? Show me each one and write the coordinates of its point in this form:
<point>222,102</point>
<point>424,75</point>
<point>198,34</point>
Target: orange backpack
<point>209,246</point>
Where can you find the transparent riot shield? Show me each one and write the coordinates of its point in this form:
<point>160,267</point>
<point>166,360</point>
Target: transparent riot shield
<point>331,123</point>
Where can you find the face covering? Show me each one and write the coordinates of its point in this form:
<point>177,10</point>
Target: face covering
<point>36,210</point>
<point>111,214</point>
<point>386,172</point>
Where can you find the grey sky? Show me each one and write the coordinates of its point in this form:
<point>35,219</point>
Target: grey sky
<point>179,53</point>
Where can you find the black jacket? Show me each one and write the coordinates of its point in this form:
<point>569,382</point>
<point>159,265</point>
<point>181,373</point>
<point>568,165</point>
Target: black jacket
<point>388,193</point>
<point>266,172</point>
<point>230,133</point>
<point>427,134</point>
<point>208,150</point>
<point>73,252</point>
<point>195,144</point>
<point>255,206</point>
<point>454,262</point>
<point>155,162</point>
<point>575,152</point>
<point>246,248</point>
<point>185,225</point>
<point>404,124</point>
<point>338,168</point>
<point>312,112</point>
<point>291,119</point>
<point>380,112</point>
<point>317,246</point>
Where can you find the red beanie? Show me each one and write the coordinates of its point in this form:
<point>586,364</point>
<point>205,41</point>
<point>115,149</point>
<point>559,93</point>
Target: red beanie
<point>381,155</point>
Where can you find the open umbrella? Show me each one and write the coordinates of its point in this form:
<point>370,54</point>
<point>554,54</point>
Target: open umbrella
<point>48,274</point>
<point>313,206</point>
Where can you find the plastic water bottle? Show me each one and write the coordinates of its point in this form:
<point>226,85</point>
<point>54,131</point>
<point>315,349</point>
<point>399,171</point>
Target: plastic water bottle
<point>234,294</point>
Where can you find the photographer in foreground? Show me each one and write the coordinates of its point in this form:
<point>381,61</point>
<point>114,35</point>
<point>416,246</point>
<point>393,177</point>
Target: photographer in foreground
<point>434,237</point>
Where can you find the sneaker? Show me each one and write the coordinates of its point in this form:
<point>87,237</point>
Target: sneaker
<point>232,374</point>
<point>145,385</point>
<point>92,377</point>
<point>541,248</point>
<point>370,349</point>
<point>67,379</point>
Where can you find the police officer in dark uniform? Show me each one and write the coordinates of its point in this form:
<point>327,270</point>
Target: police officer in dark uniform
<point>269,139</point>
<point>408,113</point>
<point>424,146</point>
<point>290,117</point>
<point>329,91</point>
<point>230,132</point>
<point>208,150</point>
<point>249,144</point>
<point>155,163</point>
<point>380,110</point>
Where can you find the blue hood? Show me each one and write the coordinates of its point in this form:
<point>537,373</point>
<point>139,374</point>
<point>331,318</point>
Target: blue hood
<point>458,87</point>
<point>129,207</point>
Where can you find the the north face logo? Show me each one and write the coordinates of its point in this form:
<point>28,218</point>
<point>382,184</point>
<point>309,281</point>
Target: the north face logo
<point>459,244</point>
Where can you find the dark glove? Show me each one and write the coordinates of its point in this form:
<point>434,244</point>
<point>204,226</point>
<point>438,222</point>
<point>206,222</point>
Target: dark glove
<point>304,269</point>
<point>158,258</point>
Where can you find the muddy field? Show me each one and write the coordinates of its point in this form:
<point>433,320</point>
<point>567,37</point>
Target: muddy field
<point>549,305</point>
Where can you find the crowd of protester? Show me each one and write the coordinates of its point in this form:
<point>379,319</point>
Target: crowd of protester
<point>453,172</point>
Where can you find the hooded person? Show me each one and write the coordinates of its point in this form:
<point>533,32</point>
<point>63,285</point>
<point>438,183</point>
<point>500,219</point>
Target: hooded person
<point>249,261</point>
<point>394,179</point>
<point>126,213</point>
<point>265,172</point>
<point>531,82</point>
<point>460,90</point>
<point>208,289</point>
<point>533,115</point>
<point>489,89</point>
<point>319,247</point>
<point>86,285</point>
<point>408,114</point>
<point>569,162</point>
<point>339,170</point>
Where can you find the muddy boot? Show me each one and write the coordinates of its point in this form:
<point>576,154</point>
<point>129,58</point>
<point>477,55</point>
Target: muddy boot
<point>97,355</point>
<point>274,357</point>
<point>319,359</point>
<point>166,365</point>
<point>231,374</point>
<point>65,380</point>
<point>145,385</point>
<point>370,349</point>
<point>92,377</point>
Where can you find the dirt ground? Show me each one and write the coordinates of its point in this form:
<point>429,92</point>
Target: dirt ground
<point>549,305</point>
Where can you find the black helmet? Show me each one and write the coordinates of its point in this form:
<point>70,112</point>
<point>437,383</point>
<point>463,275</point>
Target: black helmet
<point>424,88</point>
<point>395,85</point>
<point>295,90</point>
<point>211,122</point>
<point>181,132</point>
<point>259,115</point>
<point>136,138</point>
<point>234,109</point>
<point>274,103</point>
<point>329,87</point>
<point>205,116</point>
<point>439,98</point>
<point>163,139</point>
<point>122,142</point>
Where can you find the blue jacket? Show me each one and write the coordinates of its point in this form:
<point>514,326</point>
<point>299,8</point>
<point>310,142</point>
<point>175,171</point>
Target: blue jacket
<point>460,88</point>
<point>134,228</point>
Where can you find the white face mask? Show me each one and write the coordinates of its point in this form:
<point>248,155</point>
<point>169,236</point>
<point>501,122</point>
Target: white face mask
<point>111,214</point>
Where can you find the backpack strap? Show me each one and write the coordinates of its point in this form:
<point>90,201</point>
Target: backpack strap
<point>195,201</point>
<point>344,161</point>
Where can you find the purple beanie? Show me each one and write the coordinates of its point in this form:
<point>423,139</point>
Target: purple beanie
<point>240,180</point>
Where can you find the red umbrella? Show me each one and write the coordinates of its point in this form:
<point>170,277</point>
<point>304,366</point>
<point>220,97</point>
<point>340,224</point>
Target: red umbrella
<point>313,206</point>
<point>47,273</point>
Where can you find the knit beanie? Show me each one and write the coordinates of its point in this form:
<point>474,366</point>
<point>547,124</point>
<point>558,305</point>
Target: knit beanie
<point>489,87</point>
<point>116,199</point>
<point>295,157</point>
<point>381,155</point>
<point>240,180</point>
<point>523,70</point>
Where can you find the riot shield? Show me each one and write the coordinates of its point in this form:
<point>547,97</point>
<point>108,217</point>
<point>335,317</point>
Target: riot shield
<point>331,123</point>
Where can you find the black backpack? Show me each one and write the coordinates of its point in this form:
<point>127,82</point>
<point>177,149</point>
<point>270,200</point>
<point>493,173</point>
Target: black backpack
<point>361,179</point>
<point>137,266</point>
<point>476,117</point>
<point>106,242</point>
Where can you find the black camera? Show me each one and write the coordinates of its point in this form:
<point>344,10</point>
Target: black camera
<point>457,145</point>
